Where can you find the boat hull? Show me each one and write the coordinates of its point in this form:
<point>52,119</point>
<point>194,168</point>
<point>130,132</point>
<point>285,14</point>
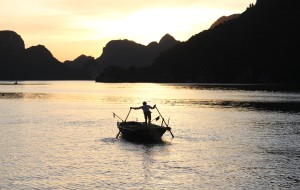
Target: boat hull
<point>141,132</point>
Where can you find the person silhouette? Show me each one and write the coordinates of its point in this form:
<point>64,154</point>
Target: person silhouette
<point>146,109</point>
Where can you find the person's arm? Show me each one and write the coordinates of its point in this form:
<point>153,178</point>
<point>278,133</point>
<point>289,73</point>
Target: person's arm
<point>136,108</point>
<point>153,107</point>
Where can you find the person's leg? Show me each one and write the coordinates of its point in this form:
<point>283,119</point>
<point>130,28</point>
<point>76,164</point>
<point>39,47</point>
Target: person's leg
<point>149,117</point>
<point>145,115</point>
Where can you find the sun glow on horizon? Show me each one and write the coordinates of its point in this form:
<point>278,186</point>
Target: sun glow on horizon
<point>153,23</point>
<point>70,28</point>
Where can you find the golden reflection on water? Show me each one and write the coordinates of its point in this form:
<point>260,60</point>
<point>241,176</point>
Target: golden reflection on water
<point>133,94</point>
<point>61,135</point>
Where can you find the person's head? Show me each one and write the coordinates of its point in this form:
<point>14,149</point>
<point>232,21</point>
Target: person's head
<point>144,103</point>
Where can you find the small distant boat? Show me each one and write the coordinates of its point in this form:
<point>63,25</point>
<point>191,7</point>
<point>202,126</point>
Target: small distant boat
<point>142,132</point>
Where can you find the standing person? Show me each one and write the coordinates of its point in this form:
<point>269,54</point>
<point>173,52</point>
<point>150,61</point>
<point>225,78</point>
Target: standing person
<point>146,109</point>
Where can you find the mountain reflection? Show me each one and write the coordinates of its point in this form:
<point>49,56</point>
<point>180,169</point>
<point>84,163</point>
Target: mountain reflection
<point>20,95</point>
<point>11,95</point>
<point>247,87</point>
<point>224,104</point>
<point>267,106</point>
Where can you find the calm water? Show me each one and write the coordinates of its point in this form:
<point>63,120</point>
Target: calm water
<point>61,135</point>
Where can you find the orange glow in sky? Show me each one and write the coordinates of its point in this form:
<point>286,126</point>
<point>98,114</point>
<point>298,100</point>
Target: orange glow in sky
<point>69,28</point>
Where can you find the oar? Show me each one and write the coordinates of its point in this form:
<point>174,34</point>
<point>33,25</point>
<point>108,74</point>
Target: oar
<point>163,120</point>
<point>115,115</point>
<point>121,120</point>
<point>128,114</point>
<point>118,134</point>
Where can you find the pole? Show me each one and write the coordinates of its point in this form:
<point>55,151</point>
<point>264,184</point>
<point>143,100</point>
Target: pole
<point>121,120</point>
<point>128,114</point>
<point>117,116</point>
<point>118,134</point>
<point>163,120</point>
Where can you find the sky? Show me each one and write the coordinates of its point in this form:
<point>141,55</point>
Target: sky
<point>70,28</point>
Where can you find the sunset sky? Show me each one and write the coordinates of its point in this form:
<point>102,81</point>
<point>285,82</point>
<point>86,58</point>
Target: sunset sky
<point>69,28</point>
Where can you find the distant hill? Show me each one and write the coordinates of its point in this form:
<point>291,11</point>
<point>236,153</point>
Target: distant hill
<point>79,62</point>
<point>38,63</point>
<point>34,63</point>
<point>224,19</point>
<point>85,66</point>
<point>11,48</point>
<point>126,53</point>
<point>260,46</point>
<point>121,54</point>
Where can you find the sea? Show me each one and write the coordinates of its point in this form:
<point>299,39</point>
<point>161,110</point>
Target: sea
<point>62,135</point>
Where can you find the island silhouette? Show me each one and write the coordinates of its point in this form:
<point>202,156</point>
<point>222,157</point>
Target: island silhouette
<point>259,45</point>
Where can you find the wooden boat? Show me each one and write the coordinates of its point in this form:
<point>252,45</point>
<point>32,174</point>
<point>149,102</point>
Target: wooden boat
<point>141,132</point>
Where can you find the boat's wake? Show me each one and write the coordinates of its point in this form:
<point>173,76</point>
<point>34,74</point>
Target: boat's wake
<point>108,140</point>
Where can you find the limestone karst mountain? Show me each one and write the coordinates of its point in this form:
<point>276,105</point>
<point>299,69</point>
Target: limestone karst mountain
<point>260,46</point>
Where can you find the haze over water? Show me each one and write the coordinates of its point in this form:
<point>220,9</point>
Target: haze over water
<point>61,135</point>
